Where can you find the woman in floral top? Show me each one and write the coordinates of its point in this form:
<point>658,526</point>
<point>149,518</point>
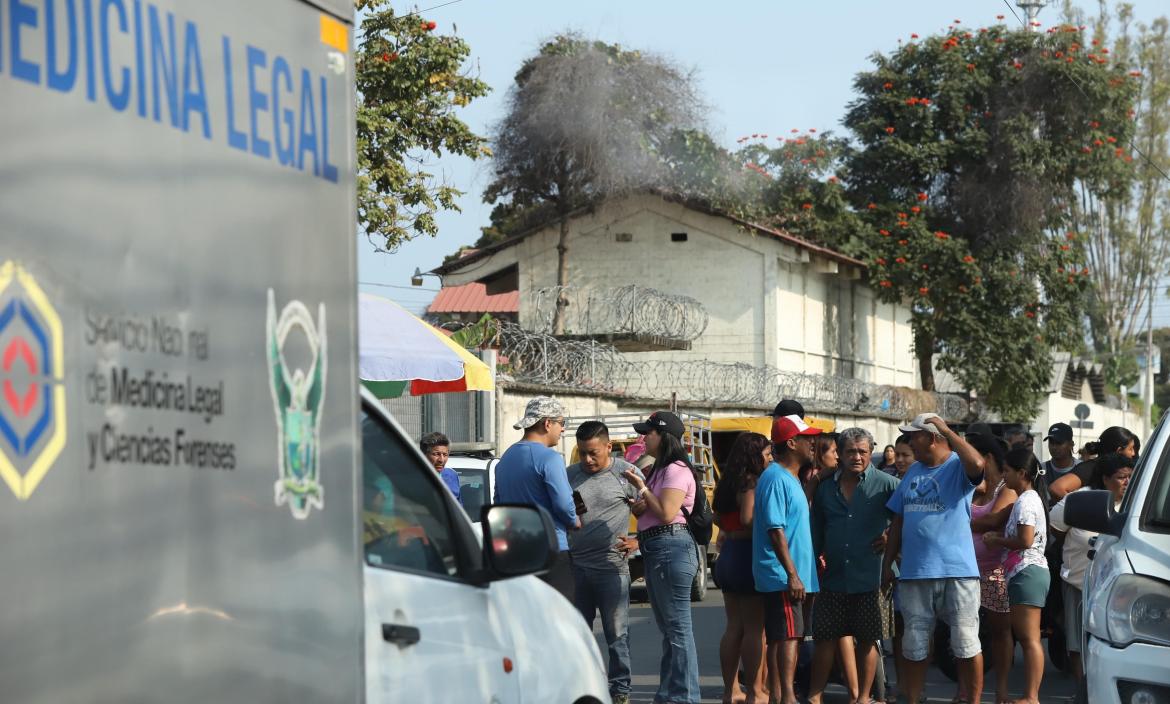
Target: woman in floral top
<point>1025,535</point>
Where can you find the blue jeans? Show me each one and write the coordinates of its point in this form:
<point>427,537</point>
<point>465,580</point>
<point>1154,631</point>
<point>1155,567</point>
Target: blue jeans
<point>608,592</point>
<point>671,561</point>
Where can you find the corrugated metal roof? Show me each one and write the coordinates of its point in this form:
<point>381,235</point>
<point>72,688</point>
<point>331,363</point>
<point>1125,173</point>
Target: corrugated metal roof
<point>473,298</point>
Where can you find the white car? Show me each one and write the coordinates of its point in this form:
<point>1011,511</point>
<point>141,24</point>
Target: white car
<point>477,477</point>
<point>446,620</point>
<point>1126,644</point>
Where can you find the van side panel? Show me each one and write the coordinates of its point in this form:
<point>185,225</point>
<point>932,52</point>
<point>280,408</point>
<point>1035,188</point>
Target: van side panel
<point>178,431</point>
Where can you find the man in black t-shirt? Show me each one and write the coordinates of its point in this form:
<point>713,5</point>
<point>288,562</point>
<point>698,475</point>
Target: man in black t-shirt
<point>1060,458</point>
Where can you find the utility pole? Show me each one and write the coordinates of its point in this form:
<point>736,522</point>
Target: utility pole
<point>1148,385</point>
<point>1032,9</point>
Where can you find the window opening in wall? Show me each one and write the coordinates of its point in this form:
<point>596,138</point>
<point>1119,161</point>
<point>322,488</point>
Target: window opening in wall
<point>624,237</point>
<point>678,237</point>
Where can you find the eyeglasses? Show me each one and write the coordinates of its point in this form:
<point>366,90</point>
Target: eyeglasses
<point>558,421</point>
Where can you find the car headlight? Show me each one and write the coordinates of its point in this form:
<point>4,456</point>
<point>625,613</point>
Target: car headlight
<point>1104,570</point>
<point>1138,609</point>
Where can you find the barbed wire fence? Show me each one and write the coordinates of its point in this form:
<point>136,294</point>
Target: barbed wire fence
<point>624,310</point>
<point>540,358</point>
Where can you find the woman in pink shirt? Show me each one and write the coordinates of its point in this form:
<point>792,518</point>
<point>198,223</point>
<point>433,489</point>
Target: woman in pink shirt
<point>669,553</point>
<point>990,508</point>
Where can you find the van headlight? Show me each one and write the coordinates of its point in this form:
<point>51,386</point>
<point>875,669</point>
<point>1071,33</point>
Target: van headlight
<point>1138,609</point>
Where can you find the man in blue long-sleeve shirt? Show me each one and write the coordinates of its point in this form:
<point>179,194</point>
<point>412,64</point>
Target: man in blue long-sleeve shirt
<point>531,472</point>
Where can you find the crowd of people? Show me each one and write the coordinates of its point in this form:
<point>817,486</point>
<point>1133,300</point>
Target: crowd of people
<point>823,540</point>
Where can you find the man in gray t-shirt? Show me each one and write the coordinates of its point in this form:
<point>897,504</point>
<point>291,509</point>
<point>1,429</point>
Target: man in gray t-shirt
<point>599,549</point>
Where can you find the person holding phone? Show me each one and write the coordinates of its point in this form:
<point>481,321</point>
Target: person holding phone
<point>601,573</point>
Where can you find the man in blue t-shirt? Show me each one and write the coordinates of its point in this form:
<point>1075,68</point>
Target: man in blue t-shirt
<point>932,531</point>
<point>531,472</point>
<point>782,553</point>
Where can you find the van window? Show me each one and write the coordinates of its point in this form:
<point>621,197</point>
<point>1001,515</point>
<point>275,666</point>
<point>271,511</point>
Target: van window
<point>405,522</point>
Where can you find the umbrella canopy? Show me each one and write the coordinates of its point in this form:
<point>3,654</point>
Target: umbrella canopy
<point>399,352</point>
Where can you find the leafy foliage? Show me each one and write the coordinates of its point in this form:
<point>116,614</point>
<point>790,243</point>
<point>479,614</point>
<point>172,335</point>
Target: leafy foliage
<point>973,145</point>
<point>410,84</point>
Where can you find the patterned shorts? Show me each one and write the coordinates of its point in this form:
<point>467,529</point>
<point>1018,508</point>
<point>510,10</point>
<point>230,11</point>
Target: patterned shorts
<point>867,616</point>
<point>993,592</point>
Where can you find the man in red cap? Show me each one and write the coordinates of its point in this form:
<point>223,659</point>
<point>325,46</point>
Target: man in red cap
<point>782,552</point>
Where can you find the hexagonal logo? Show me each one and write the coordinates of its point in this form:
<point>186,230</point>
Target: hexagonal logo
<point>32,382</point>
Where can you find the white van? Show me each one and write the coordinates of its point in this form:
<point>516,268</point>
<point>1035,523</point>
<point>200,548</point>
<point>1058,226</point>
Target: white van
<point>445,620</point>
<point>1126,643</point>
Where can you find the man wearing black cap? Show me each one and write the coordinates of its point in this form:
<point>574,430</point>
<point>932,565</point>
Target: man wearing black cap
<point>788,407</point>
<point>1060,451</point>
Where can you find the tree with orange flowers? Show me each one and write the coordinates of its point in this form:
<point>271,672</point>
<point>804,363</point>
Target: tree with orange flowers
<point>972,148</point>
<point>411,84</point>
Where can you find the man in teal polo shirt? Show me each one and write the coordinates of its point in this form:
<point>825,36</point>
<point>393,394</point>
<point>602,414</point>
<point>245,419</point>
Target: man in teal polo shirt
<point>849,522</point>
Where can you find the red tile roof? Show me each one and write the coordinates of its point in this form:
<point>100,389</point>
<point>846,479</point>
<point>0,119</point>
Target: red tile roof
<point>473,298</point>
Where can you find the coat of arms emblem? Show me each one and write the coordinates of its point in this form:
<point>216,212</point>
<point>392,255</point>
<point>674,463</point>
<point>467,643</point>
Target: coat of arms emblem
<point>298,395</point>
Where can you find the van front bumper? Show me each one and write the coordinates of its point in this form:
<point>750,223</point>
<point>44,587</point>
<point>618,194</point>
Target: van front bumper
<point>1117,675</point>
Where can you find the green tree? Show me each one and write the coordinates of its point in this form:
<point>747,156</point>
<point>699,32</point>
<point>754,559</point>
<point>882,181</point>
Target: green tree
<point>584,121</point>
<point>1126,244</point>
<point>410,85</point>
<point>973,146</point>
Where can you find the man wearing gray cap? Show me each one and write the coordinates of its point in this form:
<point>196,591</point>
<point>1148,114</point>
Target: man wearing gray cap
<point>531,472</point>
<point>939,576</point>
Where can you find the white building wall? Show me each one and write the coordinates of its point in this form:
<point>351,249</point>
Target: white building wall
<point>768,301</point>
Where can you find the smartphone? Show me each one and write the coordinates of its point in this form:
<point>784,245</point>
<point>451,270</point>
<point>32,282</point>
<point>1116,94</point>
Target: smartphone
<point>579,503</point>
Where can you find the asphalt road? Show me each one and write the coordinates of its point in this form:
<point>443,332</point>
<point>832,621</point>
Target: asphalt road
<point>645,640</point>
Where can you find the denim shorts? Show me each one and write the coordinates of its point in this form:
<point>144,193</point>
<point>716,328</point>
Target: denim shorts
<point>954,600</point>
<point>1029,586</point>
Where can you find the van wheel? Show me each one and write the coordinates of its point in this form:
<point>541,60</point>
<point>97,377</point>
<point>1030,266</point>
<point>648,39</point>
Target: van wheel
<point>699,586</point>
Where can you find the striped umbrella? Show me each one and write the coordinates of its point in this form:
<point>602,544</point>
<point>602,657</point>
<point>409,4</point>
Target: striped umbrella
<point>400,353</point>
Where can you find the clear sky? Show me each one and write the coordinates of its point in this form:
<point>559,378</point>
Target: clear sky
<point>763,67</point>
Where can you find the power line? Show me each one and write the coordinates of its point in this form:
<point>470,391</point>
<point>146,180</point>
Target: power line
<point>419,12</point>
<point>405,288</point>
<point>1133,145</point>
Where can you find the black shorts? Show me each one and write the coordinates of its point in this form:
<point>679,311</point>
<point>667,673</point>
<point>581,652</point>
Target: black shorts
<point>867,616</point>
<point>783,617</point>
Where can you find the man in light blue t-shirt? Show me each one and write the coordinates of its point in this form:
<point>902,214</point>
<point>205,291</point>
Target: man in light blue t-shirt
<point>783,564</point>
<point>932,531</point>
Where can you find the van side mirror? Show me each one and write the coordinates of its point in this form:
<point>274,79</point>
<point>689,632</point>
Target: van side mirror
<point>517,540</point>
<point>1092,511</point>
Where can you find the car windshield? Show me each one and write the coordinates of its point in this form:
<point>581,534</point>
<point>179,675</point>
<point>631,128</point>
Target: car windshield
<point>473,490</point>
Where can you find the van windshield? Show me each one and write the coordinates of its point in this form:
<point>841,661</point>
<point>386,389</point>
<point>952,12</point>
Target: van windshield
<point>1156,514</point>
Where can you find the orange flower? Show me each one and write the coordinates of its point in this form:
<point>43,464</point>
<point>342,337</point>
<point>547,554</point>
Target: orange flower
<point>925,267</point>
<point>1087,150</point>
<point>886,284</point>
<point>1099,143</point>
<point>915,209</point>
<point>1030,314</point>
<point>913,36</point>
<point>1071,235</point>
<point>901,216</point>
<point>807,206</point>
<point>881,261</point>
<point>1111,140</point>
<point>921,197</point>
<point>872,206</point>
<point>1064,247</point>
<point>969,259</point>
<point>923,291</point>
<point>884,233</point>
<point>941,235</point>
<point>999,17</point>
<point>970,67</point>
<point>900,260</point>
<point>887,85</point>
<point>903,242</point>
<point>832,179</point>
<point>889,130</point>
<point>1094,124</point>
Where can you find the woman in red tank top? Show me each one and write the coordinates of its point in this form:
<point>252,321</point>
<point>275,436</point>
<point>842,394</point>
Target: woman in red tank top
<point>734,501</point>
